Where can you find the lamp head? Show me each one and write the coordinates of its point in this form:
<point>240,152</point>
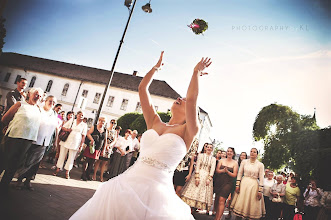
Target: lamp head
<point>128,3</point>
<point>147,8</point>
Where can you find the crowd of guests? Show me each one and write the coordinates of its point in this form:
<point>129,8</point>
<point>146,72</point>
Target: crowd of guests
<point>245,187</point>
<point>33,125</point>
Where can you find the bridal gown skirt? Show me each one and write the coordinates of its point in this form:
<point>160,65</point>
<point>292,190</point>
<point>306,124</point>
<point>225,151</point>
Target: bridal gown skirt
<point>142,192</point>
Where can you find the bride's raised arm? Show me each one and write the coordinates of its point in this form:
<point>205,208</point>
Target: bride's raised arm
<point>192,125</point>
<point>148,109</point>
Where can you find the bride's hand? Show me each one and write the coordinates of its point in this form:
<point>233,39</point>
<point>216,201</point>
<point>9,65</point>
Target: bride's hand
<point>159,63</point>
<point>202,65</point>
<point>197,182</point>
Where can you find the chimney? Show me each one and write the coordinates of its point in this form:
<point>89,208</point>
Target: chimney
<point>135,72</point>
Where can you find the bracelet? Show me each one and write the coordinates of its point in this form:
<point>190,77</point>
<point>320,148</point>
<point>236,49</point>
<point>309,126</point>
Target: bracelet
<point>196,175</point>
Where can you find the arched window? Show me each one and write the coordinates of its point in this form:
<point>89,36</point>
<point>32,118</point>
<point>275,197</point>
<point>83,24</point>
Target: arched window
<point>33,80</point>
<point>65,89</point>
<point>49,85</point>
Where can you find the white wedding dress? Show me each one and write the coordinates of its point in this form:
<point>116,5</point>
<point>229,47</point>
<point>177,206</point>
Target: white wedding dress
<point>145,190</point>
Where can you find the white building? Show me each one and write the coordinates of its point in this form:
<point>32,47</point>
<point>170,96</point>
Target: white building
<point>80,88</point>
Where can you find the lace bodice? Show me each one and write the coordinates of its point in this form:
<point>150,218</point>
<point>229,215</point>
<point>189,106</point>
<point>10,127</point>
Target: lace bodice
<point>162,151</point>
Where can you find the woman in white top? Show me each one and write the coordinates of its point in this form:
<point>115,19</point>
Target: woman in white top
<point>268,183</point>
<point>76,138</point>
<point>123,145</point>
<point>23,120</point>
<point>277,190</point>
<point>36,152</point>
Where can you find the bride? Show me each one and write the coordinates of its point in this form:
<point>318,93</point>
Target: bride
<point>145,190</point>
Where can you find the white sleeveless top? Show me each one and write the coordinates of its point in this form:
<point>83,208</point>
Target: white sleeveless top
<point>26,121</point>
<point>49,121</point>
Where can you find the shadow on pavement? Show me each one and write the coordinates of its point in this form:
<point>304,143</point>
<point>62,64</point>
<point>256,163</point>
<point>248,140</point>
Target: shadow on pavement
<point>46,202</point>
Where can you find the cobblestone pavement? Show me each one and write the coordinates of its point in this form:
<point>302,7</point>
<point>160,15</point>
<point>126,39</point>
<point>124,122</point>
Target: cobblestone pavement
<point>54,197</point>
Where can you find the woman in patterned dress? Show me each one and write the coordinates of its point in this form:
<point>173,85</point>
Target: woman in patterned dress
<point>106,151</point>
<point>198,192</point>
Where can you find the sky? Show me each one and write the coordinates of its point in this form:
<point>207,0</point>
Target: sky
<point>263,51</point>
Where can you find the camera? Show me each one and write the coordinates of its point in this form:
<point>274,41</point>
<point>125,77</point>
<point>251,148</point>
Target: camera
<point>310,185</point>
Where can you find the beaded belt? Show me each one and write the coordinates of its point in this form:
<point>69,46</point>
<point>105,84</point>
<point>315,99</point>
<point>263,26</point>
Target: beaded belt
<point>155,163</point>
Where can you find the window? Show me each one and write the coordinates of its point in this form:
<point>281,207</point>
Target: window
<point>84,93</point>
<point>65,89</point>
<point>7,77</point>
<point>156,108</point>
<point>33,80</point>
<point>138,107</point>
<point>82,103</point>
<point>110,101</point>
<point>124,104</point>
<point>18,77</point>
<point>49,86</point>
<point>97,98</point>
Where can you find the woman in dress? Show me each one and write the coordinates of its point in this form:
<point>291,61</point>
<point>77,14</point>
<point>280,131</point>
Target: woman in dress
<point>97,137</point>
<point>145,190</point>
<point>227,170</point>
<point>106,151</point>
<point>23,120</point>
<point>198,192</point>
<point>243,156</point>
<point>122,145</point>
<point>48,124</point>
<point>75,140</point>
<point>277,191</point>
<point>247,201</point>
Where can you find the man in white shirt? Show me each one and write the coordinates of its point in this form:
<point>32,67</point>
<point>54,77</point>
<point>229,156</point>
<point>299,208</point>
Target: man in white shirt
<point>136,147</point>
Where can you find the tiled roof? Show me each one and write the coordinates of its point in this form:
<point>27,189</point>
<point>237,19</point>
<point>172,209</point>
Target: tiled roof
<point>84,73</point>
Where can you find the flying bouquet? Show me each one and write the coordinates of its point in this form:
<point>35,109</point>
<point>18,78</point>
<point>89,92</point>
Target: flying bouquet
<point>198,26</point>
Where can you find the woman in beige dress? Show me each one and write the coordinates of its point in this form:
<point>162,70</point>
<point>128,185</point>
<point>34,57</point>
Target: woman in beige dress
<point>198,192</point>
<point>247,200</point>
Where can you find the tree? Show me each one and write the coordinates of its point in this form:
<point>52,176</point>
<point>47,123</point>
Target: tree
<point>279,127</point>
<point>274,125</point>
<point>136,121</point>
<point>2,33</point>
<point>125,121</point>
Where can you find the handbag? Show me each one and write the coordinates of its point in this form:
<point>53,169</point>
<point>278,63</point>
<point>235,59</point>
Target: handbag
<point>278,199</point>
<point>92,148</point>
<point>63,135</point>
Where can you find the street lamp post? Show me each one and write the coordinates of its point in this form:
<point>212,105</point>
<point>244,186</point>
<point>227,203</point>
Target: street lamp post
<point>115,60</point>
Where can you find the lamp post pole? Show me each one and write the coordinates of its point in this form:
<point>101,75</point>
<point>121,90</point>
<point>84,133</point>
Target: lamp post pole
<point>114,64</point>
